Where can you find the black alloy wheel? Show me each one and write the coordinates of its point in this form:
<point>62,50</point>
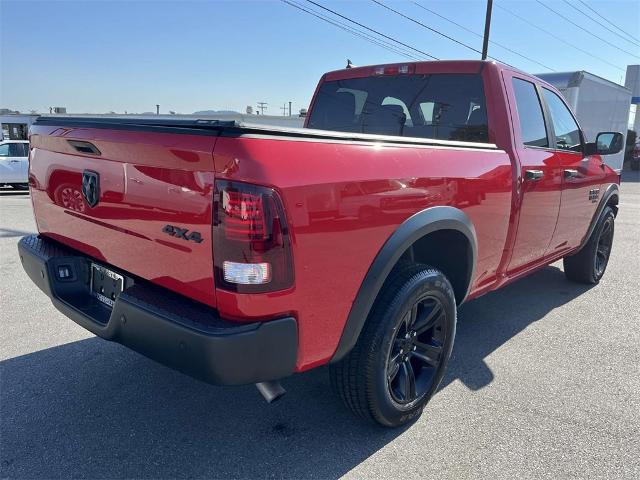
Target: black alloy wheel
<point>416,351</point>
<point>402,352</point>
<point>590,262</point>
<point>603,250</point>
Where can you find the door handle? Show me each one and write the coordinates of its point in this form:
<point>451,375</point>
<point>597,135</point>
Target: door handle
<point>569,173</point>
<point>533,175</point>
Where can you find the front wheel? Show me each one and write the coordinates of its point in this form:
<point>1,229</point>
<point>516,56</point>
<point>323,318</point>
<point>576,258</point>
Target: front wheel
<point>589,264</point>
<point>403,349</point>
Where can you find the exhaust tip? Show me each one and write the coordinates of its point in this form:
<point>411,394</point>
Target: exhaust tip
<point>271,391</point>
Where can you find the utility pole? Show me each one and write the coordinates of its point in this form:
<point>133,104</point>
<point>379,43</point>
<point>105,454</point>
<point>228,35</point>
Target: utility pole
<point>157,109</point>
<point>487,26</point>
<point>284,110</point>
<point>290,107</point>
<point>262,106</point>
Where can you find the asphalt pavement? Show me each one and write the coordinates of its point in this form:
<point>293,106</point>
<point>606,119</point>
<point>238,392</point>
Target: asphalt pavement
<point>544,383</point>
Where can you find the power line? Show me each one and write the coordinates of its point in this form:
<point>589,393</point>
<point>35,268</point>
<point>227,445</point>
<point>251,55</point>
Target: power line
<point>479,35</point>
<point>427,27</point>
<point>370,38</point>
<point>528,22</point>
<point>585,30</point>
<point>372,30</point>
<point>601,24</point>
<point>609,22</point>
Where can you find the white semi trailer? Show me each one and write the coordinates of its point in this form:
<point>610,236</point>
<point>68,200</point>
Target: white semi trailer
<point>599,104</point>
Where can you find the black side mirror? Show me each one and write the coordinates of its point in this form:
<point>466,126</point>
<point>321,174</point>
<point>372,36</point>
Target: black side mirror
<point>607,143</point>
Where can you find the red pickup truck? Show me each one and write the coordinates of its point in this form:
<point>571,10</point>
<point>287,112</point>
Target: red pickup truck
<point>242,254</point>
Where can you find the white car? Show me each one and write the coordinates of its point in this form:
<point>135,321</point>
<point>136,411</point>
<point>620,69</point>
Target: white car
<point>14,163</point>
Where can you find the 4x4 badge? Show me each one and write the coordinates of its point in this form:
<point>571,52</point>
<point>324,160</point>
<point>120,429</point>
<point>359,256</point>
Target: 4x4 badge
<point>593,194</point>
<point>182,233</point>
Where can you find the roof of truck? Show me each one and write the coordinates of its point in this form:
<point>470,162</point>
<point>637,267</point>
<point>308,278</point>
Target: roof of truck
<point>437,66</point>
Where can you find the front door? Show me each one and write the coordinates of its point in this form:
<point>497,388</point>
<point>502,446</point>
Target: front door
<point>581,176</point>
<point>541,176</point>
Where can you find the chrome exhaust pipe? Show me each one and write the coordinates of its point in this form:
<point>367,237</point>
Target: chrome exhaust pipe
<point>271,391</point>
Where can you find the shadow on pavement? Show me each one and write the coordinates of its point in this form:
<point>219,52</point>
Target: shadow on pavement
<point>489,322</point>
<point>94,409</point>
<point>10,233</point>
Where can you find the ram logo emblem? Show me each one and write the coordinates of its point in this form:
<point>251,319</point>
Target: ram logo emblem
<point>91,187</point>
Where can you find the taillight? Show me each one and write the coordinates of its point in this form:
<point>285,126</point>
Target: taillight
<point>252,248</point>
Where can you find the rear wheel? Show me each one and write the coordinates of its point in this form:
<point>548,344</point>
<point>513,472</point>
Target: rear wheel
<point>403,349</point>
<point>590,263</point>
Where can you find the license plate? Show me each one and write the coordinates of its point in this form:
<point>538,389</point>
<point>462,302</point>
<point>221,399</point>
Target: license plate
<point>106,284</point>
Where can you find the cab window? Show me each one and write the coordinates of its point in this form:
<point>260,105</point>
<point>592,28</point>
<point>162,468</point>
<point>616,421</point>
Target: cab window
<point>532,126</point>
<point>565,127</point>
<point>440,106</point>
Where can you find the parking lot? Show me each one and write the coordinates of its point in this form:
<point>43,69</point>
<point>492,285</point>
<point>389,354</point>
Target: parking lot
<point>544,383</point>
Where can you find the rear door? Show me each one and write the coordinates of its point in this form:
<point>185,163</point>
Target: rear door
<point>581,176</point>
<point>540,180</point>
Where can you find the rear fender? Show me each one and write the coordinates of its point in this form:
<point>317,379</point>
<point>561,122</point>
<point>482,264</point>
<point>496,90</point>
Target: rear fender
<point>417,226</point>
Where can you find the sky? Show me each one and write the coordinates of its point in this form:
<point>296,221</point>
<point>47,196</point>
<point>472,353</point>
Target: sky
<point>98,56</point>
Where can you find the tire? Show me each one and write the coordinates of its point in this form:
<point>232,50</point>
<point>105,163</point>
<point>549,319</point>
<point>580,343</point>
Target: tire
<point>590,263</point>
<point>404,337</point>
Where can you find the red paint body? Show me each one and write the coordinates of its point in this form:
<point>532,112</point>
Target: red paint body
<point>343,200</point>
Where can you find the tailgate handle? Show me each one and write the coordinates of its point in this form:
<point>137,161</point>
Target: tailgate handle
<point>84,147</point>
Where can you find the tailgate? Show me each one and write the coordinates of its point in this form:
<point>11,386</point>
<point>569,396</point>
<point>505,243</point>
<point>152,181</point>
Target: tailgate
<point>146,205</point>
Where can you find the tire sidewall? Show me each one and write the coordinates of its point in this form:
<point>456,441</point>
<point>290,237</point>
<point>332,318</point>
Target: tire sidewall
<point>387,410</point>
<point>607,213</point>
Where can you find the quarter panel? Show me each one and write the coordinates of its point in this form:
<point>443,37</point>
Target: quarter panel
<point>343,201</point>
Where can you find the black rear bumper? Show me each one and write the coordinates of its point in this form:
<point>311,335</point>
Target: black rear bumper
<point>166,327</point>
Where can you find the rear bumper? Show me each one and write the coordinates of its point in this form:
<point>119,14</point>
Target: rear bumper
<point>166,327</point>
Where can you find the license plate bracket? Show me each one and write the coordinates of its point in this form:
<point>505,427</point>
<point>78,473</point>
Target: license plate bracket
<point>106,284</point>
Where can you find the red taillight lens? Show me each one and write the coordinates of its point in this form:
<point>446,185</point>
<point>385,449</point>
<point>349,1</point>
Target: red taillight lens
<point>252,248</point>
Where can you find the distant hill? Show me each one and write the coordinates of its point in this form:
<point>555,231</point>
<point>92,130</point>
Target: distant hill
<point>216,112</point>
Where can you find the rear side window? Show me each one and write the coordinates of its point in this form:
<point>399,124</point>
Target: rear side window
<point>439,106</point>
<point>564,126</point>
<point>532,125</point>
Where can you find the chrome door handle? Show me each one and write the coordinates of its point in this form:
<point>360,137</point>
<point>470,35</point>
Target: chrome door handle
<point>569,173</point>
<point>533,175</point>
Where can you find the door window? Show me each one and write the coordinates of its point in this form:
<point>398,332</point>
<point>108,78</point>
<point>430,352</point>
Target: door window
<point>564,125</point>
<point>11,150</point>
<point>532,126</point>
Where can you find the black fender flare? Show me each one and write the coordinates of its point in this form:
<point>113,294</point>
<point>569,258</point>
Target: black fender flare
<point>611,191</point>
<point>415,227</point>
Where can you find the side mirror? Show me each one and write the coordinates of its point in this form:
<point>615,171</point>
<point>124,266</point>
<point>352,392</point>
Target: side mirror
<point>607,143</point>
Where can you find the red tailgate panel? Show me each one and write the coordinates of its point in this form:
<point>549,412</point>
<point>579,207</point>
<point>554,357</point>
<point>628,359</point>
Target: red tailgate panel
<point>147,180</point>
